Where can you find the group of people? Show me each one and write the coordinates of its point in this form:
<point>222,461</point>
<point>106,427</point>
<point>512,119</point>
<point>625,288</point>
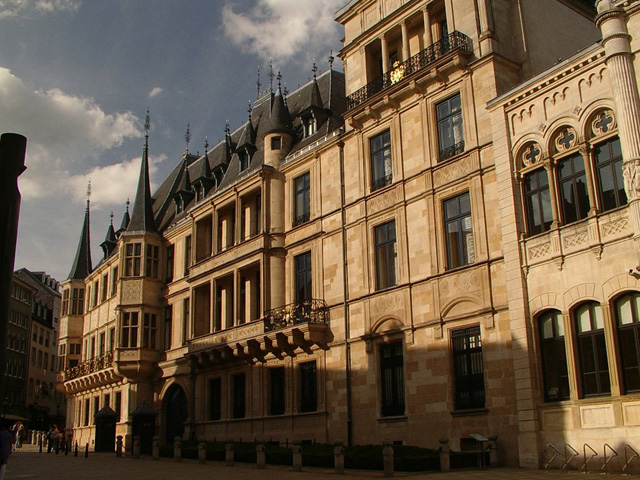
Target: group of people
<point>55,440</point>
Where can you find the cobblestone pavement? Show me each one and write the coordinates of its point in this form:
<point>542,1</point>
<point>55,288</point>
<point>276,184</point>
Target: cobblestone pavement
<point>28,463</point>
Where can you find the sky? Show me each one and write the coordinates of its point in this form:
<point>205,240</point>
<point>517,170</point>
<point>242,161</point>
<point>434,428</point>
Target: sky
<point>77,78</point>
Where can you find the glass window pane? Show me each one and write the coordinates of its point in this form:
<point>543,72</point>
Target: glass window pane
<point>584,319</point>
<point>624,314</point>
<point>599,321</point>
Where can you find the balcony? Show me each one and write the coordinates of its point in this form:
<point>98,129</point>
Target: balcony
<point>454,41</point>
<point>282,331</point>
<point>89,374</point>
<point>89,366</point>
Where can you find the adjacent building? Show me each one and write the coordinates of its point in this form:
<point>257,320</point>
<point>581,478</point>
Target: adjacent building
<point>440,242</point>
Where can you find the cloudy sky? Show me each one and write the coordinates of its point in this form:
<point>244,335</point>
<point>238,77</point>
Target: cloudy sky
<point>77,77</point>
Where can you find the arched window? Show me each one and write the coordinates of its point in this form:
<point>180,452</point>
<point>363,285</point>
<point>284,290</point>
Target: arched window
<point>554,356</point>
<point>608,159</point>
<point>627,309</point>
<point>592,350</point>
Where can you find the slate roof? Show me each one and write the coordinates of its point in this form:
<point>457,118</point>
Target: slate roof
<point>82,263</point>
<point>331,94</point>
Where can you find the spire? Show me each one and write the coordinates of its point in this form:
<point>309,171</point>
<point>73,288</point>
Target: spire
<point>82,263</point>
<point>280,120</point>
<point>110,240</point>
<point>205,171</point>
<point>315,99</point>
<point>125,221</point>
<point>248,136</point>
<point>142,216</point>
<point>228,145</point>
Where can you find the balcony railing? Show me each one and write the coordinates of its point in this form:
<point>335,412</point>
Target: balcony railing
<point>433,52</point>
<point>89,366</point>
<point>308,311</point>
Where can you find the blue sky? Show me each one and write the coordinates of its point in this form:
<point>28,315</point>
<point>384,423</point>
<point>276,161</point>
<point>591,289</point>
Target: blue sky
<point>77,76</point>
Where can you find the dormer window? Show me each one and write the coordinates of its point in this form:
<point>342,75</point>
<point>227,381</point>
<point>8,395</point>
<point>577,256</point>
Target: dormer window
<point>245,158</point>
<point>276,143</point>
<point>310,125</point>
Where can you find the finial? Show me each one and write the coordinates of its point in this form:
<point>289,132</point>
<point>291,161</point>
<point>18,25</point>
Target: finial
<point>285,92</point>
<point>314,69</point>
<point>128,202</point>
<point>111,216</point>
<point>187,138</point>
<point>88,190</point>
<point>270,75</point>
<point>258,84</point>
<point>227,130</point>
<point>147,123</point>
<point>249,109</point>
<point>331,59</point>
<point>206,145</point>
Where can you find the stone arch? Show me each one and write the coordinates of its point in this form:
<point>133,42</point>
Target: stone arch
<point>582,293</point>
<point>174,411</point>
<point>555,143</point>
<point>387,324</point>
<point>545,301</point>
<point>619,284</point>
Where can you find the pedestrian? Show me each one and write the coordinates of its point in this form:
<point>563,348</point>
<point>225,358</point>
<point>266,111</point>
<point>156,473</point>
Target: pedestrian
<point>20,435</point>
<point>58,440</point>
<point>6,442</point>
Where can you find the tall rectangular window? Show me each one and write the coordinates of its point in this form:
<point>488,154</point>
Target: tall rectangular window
<point>537,200</point>
<point>572,182</point>
<point>215,397</point>
<point>468,368</point>
<point>96,408</point>
<point>118,406</point>
<point>592,350</point>
<point>391,379</point>
<point>114,281</point>
<point>381,166</point>
<point>308,386</point>
<point>133,252</point>
<point>95,293</point>
<point>129,330</point>
<point>105,287</point>
<point>102,343</point>
<point>185,319</point>
<point>459,231</point>
<point>276,391</point>
<point>386,255</point>
<point>151,261</point>
<point>169,270</point>
<point>87,406</point>
<point>627,317</point>
<point>450,132</point>
<point>168,326</point>
<point>238,387</point>
<point>77,301</point>
<point>302,201</point>
<point>554,356</point>
<point>65,301</point>
<point>608,158</point>
<point>303,277</point>
<point>149,330</point>
<point>187,254</point>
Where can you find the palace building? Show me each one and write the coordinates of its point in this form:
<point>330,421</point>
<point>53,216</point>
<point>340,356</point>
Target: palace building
<point>440,241</point>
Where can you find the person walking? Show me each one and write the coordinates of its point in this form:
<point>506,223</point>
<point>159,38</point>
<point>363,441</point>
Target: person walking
<point>6,441</point>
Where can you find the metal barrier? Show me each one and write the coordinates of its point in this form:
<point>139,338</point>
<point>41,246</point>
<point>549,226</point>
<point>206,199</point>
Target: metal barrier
<point>607,459</point>
<point>627,459</point>
<point>585,465</point>
<point>556,454</point>
<point>568,460</point>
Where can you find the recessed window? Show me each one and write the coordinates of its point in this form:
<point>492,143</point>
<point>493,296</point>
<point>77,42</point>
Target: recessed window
<point>450,132</point>
<point>572,183</point>
<point>129,330</point>
<point>386,255</point>
<point>133,252</point>
<point>303,277</point>
<point>554,356</point>
<point>391,379</point>
<point>151,261</point>
<point>608,160</point>
<point>276,391</point>
<point>302,201</point>
<point>468,368</point>
<point>245,159</point>
<point>215,396</point>
<point>238,388</point>
<point>627,309</point>
<point>459,231</point>
<point>381,167</point>
<point>276,143</point>
<point>537,201</point>
<point>592,350</point>
<point>308,386</point>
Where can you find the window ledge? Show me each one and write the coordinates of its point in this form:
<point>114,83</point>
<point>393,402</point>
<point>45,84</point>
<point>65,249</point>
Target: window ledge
<point>469,412</point>
<point>393,419</point>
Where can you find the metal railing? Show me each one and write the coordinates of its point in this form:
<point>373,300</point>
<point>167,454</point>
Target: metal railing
<point>453,41</point>
<point>307,311</point>
<point>89,366</point>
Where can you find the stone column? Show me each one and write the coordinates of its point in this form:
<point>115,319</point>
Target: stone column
<point>428,38</point>
<point>616,41</point>
<point>385,53</point>
<point>552,193</point>
<point>405,42</point>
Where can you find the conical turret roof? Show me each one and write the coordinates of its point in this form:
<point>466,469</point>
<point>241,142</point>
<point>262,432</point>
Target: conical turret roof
<point>280,118</point>
<point>142,217</point>
<point>82,263</point>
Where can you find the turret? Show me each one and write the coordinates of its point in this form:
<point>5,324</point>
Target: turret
<point>279,135</point>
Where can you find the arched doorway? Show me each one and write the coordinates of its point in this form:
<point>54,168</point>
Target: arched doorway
<point>175,412</point>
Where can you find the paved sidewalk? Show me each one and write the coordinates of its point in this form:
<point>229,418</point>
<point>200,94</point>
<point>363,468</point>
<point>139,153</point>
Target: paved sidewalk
<point>29,464</point>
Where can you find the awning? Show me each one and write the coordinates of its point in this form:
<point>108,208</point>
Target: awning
<point>10,416</point>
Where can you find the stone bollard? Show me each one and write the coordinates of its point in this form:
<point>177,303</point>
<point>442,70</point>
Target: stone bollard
<point>119,446</point>
<point>493,450</point>
<point>338,458</point>
<point>177,449</point>
<point>297,458</point>
<point>156,448</point>
<point>261,457</point>
<point>387,458</point>
<point>445,455</point>
<point>228,455</point>
<point>136,446</point>
<point>202,452</point>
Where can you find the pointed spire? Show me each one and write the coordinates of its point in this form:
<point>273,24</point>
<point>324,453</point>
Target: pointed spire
<point>187,138</point>
<point>331,59</point>
<point>280,119</point>
<point>82,263</point>
<point>205,171</point>
<point>142,216</point>
<point>110,240</point>
<point>125,220</point>
<point>228,146</point>
<point>248,136</point>
<point>315,99</point>
<point>270,75</point>
<point>258,84</point>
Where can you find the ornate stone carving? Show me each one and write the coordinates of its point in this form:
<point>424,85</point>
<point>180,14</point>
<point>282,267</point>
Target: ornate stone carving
<point>131,291</point>
<point>615,227</point>
<point>565,139</point>
<point>576,239</point>
<point>603,122</point>
<point>386,303</point>
<point>452,171</point>
<point>530,155</point>
<point>631,178</point>
<point>539,251</point>
<point>383,201</point>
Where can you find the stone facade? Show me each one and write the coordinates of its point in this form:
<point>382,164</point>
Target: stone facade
<point>382,278</point>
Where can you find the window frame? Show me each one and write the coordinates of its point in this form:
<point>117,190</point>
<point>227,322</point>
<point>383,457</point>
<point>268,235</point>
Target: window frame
<point>392,382</point>
<point>308,386</point>
<point>381,160</point>
<point>536,194</point>
<point>302,199</point>
<point>469,388</point>
<point>593,339</point>
<point>624,352</point>
<point>449,123</point>
<point>553,354</point>
<point>386,255</point>
<point>462,256</point>
<point>612,164</point>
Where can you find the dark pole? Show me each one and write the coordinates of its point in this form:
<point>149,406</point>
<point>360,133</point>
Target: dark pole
<point>12,151</point>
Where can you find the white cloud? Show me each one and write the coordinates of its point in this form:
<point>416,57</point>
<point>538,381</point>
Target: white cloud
<point>155,91</point>
<point>283,28</point>
<point>14,8</point>
<point>65,133</point>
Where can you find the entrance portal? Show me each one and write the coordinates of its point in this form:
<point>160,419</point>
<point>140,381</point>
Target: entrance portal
<point>176,412</point>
